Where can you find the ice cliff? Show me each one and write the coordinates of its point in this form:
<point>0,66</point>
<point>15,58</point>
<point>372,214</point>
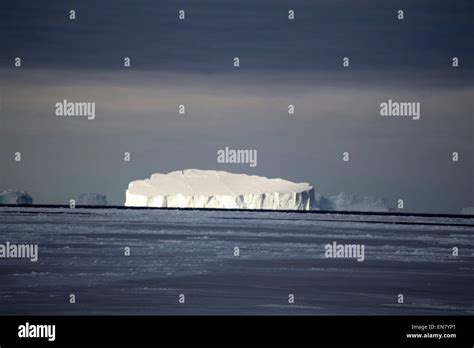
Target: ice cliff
<point>218,189</point>
<point>15,197</point>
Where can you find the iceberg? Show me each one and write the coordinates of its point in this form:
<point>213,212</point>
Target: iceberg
<point>195,188</point>
<point>15,197</point>
<point>468,211</point>
<point>350,202</point>
<point>96,199</point>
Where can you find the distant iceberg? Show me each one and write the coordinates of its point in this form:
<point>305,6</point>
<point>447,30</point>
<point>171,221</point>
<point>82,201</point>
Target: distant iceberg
<point>195,188</point>
<point>468,211</point>
<point>351,202</point>
<point>96,199</point>
<point>15,197</point>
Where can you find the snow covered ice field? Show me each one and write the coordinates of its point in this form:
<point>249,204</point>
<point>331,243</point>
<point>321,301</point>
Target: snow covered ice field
<point>81,251</point>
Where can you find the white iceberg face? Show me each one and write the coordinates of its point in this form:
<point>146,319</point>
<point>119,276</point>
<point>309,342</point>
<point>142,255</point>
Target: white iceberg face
<point>15,197</point>
<point>96,199</point>
<point>348,202</point>
<point>217,189</point>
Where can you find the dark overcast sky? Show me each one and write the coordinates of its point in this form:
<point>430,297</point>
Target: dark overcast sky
<point>190,62</point>
<point>257,30</point>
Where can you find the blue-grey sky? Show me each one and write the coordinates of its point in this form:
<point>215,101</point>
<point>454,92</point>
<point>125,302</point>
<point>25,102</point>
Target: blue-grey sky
<point>283,62</point>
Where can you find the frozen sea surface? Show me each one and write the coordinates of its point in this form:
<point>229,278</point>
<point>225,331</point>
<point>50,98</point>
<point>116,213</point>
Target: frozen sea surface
<point>81,252</point>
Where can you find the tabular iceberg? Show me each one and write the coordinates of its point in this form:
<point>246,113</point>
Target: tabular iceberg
<point>15,197</point>
<point>348,202</point>
<point>95,199</point>
<point>468,211</point>
<point>195,188</point>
